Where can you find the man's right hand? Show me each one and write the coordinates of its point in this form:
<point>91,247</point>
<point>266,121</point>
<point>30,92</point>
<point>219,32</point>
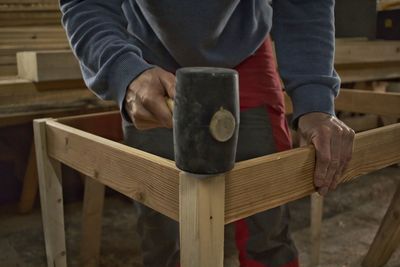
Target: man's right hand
<point>145,99</point>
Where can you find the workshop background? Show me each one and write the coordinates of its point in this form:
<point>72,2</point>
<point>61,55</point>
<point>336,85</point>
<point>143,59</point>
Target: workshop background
<point>367,58</point>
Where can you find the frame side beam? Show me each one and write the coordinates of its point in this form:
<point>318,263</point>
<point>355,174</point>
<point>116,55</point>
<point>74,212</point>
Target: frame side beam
<point>270,181</point>
<point>147,178</point>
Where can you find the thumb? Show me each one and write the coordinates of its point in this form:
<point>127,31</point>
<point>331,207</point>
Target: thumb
<point>168,80</point>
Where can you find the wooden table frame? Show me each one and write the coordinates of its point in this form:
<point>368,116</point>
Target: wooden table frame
<point>90,145</point>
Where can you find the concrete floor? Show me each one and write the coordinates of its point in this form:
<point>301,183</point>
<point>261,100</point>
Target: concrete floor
<point>351,217</point>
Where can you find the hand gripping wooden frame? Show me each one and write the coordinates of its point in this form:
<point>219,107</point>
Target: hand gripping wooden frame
<point>90,144</point>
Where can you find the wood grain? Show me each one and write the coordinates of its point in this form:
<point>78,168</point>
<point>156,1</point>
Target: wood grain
<point>368,72</point>
<point>15,118</point>
<point>21,100</point>
<point>387,239</point>
<point>146,178</point>
<point>387,104</point>
<point>362,101</point>
<point>317,205</point>
<point>201,220</point>
<point>51,199</point>
<point>270,181</point>
<point>104,124</point>
<point>252,186</point>
<point>30,184</point>
<point>363,51</point>
<point>91,223</point>
<point>48,65</point>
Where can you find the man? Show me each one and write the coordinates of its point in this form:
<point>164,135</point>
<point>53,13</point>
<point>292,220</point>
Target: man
<point>129,51</point>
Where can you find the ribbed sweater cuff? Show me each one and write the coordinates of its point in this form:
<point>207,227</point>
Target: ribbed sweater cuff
<point>124,70</point>
<point>312,98</point>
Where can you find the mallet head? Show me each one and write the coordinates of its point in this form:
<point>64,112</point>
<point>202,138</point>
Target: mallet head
<point>206,119</point>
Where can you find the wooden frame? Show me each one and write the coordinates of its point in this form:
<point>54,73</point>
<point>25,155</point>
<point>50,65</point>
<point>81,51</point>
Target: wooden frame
<point>81,143</point>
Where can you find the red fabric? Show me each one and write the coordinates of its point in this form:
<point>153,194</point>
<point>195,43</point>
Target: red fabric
<point>259,85</point>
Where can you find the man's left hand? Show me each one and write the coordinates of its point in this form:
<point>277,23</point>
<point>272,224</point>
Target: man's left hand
<point>333,142</point>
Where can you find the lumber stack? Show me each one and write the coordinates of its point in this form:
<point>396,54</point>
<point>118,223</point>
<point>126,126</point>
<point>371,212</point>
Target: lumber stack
<point>36,38</point>
<point>363,60</point>
<point>28,25</point>
<point>22,100</point>
<point>29,12</point>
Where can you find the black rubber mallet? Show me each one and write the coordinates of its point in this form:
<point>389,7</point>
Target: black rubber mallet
<point>206,119</point>
<point>205,124</point>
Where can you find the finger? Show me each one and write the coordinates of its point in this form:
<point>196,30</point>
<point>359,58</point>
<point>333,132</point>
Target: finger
<point>337,162</point>
<point>323,152</point>
<point>346,150</point>
<point>323,191</point>
<point>147,125</point>
<point>158,107</point>
<point>348,141</point>
<point>143,119</point>
<point>168,80</point>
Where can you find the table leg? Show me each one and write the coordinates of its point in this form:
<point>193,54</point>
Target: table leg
<point>30,184</point>
<point>91,222</point>
<point>51,199</point>
<point>201,215</point>
<point>317,205</point>
<point>387,238</point>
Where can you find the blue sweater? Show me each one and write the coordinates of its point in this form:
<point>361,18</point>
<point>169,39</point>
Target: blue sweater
<point>116,40</point>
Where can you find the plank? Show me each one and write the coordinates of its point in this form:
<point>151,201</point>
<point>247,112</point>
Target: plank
<point>22,117</point>
<point>387,238</point>
<point>317,205</point>
<point>8,69</point>
<point>147,178</point>
<point>48,99</point>
<point>201,217</point>
<point>14,86</point>
<point>270,181</point>
<point>91,222</point>
<point>29,18</point>
<point>8,60</point>
<point>386,104</point>
<point>21,100</point>
<point>368,72</point>
<point>26,1</point>
<point>51,199</point>
<point>251,187</point>
<point>48,65</point>
<point>361,123</point>
<point>362,101</point>
<point>30,184</point>
<point>13,49</point>
<point>105,124</point>
<point>17,7</point>
<point>360,52</point>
